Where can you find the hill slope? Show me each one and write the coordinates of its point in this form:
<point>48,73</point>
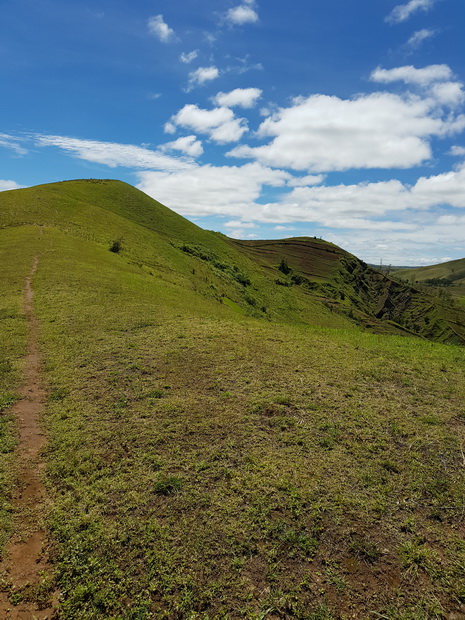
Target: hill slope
<point>214,459</point>
<point>324,285</point>
<point>450,275</point>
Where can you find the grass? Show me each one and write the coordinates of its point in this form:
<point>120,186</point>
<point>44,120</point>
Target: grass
<point>451,274</point>
<point>206,462</point>
<point>15,261</point>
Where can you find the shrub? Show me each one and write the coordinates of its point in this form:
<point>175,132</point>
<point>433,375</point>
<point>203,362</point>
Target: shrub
<point>116,246</point>
<point>284,267</point>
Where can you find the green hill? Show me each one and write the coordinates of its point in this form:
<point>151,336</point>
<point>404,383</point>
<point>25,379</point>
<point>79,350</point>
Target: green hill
<point>449,276</point>
<point>235,429</point>
<point>324,285</point>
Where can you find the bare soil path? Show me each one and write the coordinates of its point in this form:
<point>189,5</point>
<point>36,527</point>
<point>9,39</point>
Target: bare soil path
<point>25,562</point>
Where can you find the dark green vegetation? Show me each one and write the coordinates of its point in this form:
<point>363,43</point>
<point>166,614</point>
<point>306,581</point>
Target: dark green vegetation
<point>225,439</point>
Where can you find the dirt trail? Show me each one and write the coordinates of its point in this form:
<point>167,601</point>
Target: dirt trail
<point>25,559</point>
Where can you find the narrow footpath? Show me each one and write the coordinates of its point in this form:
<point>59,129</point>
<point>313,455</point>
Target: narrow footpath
<point>25,563</point>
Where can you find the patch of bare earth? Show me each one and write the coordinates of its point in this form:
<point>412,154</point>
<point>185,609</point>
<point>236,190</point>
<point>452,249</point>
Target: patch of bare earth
<point>25,568</point>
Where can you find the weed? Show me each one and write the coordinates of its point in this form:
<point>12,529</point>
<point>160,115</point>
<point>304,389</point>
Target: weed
<point>167,485</point>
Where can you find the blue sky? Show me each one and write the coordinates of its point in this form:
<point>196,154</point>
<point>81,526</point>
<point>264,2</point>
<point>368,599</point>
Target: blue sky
<point>261,119</point>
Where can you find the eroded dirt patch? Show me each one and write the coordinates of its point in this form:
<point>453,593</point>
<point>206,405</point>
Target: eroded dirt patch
<point>25,568</point>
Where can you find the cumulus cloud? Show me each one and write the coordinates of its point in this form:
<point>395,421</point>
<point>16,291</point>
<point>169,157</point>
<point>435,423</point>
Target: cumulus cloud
<point>410,75</point>
<point>242,14</point>
<point>418,37</point>
<point>187,58</point>
<point>447,188</point>
<point>448,93</point>
<point>7,185</point>
<point>160,29</point>
<point>220,124</point>
<point>361,205</point>
<point>402,12</point>
<point>242,97</point>
<point>381,130</point>
<point>435,78</point>
<point>202,75</point>
<point>236,191</point>
<point>113,154</point>
<point>187,144</point>
<point>231,131</point>
<point>207,190</point>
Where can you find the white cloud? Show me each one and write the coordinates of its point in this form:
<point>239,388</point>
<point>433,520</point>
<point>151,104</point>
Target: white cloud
<point>187,58</point>
<point>12,143</point>
<point>458,151</point>
<point>242,14</point>
<point>243,97</point>
<point>7,185</point>
<point>201,120</point>
<point>435,78</point>
<point>113,154</point>
<point>232,131</point>
<point>311,179</point>
<point>207,190</point>
<point>240,233</point>
<point>219,123</point>
<point>447,188</point>
<point>202,75</point>
<point>343,206</point>
<point>362,205</point>
<point>380,130</point>
<point>388,206</point>
<point>169,128</point>
<point>239,224</point>
<point>410,75</point>
<point>448,93</point>
<point>418,37</point>
<point>335,206</point>
<point>187,144</point>
<point>160,29</point>
<point>402,12</point>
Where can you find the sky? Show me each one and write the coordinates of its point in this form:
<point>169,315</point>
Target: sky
<point>261,119</point>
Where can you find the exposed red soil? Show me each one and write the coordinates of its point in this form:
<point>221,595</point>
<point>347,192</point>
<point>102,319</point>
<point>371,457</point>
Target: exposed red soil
<point>25,562</point>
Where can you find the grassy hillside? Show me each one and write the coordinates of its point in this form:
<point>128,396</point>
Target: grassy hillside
<point>351,288</point>
<point>448,276</point>
<point>220,445</point>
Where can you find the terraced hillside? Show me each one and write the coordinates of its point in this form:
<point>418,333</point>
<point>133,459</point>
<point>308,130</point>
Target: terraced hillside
<point>220,444</point>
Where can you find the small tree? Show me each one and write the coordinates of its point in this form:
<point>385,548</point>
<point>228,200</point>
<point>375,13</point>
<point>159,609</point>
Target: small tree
<point>284,267</point>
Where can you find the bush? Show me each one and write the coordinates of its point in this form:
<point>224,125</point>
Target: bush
<point>116,246</point>
<point>284,267</point>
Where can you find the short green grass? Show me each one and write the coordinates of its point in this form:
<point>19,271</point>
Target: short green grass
<point>205,462</point>
<point>15,260</point>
